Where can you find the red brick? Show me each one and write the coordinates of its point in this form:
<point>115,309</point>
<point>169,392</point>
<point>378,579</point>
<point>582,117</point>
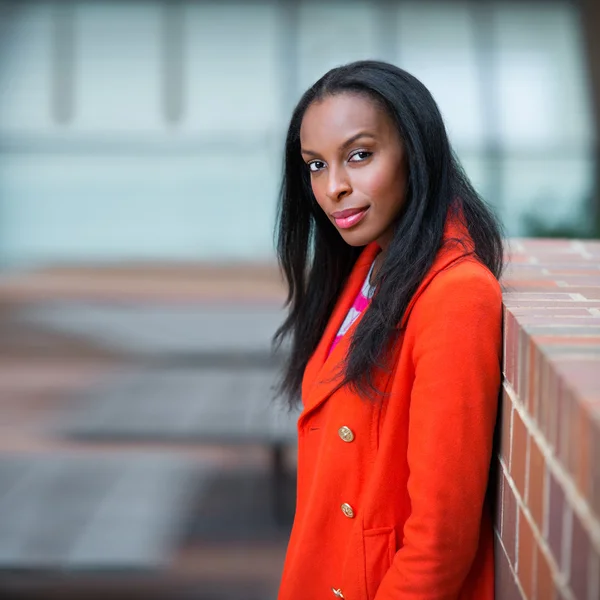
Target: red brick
<point>510,348</point>
<point>590,293</point>
<point>583,464</point>
<point>537,483</point>
<point>534,310</point>
<point>594,591</point>
<point>509,522</point>
<point>505,427</point>
<point>574,428</point>
<point>533,378</point>
<point>556,515</point>
<point>538,285</point>
<point>518,454</point>
<point>545,336</point>
<point>581,270</point>
<point>545,580</point>
<point>555,321</point>
<point>548,297</point>
<point>595,461</point>
<point>580,558</point>
<point>523,272</point>
<point>526,558</point>
<point>554,412</point>
<point>523,369</point>
<point>498,507</point>
<point>580,374</point>
<point>563,442</point>
<point>567,259</point>
<point>505,585</point>
<point>545,398</point>
<point>578,280</point>
<point>519,301</point>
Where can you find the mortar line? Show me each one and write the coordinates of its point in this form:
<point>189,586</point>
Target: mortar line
<point>576,500</point>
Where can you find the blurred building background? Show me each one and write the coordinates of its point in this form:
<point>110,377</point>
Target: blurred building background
<point>153,130</point>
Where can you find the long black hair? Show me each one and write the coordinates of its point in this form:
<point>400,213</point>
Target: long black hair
<point>316,261</point>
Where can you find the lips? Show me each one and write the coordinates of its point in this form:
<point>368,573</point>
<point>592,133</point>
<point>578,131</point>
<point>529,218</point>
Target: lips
<point>349,217</point>
<point>348,212</point>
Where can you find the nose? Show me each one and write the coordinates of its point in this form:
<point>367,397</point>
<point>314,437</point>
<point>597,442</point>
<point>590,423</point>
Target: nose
<point>338,184</point>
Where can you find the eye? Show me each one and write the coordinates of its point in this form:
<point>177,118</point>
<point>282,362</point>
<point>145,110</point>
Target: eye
<point>359,156</point>
<point>316,165</point>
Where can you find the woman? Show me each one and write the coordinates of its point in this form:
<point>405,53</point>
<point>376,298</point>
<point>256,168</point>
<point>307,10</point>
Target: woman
<point>392,262</point>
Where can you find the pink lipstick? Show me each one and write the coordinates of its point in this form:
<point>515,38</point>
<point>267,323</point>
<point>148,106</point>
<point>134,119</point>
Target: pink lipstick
<point>349,217</point>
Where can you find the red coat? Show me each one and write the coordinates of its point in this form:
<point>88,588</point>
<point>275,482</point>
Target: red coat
<point>391,494</point>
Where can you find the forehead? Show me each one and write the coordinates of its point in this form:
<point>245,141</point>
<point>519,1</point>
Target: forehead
<point>334,119</point>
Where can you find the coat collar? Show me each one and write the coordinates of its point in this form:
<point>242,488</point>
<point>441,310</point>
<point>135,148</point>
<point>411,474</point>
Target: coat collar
<point>323,374</point>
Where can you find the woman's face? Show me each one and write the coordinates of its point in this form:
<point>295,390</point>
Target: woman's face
<point>357,166</point>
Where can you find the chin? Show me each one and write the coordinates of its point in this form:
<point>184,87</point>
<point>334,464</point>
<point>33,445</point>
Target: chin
<point>357,238</point>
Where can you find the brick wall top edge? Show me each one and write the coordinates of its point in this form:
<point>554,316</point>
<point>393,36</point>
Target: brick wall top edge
<point>551,288</point>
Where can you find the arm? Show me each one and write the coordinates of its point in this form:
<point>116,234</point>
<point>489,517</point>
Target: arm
<point>457,329</point>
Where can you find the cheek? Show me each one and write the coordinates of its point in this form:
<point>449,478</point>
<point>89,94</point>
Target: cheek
<point>385,186</point>
<point>318,190</point>
<point>377,183</point>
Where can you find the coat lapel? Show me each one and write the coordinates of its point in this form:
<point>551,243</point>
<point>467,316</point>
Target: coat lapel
<point>323,374</point>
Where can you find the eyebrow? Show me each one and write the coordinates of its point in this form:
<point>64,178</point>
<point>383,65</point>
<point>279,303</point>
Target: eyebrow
<point>347,143</point>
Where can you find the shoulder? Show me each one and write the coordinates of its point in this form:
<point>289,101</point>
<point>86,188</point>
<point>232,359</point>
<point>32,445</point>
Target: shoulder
<point>466,275</point>
<point>466,286</point>
<point>459,313</point>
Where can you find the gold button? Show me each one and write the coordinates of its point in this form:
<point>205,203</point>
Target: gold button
<point>346,434</point>
<point>347,510</point>
<point>337,593</point>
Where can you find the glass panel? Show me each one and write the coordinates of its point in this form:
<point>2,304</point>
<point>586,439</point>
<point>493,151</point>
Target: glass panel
<point>436,45</point>
<point>541,76</point>
<point>25,54</point>
<point>550,191</point>
<point>89,208</point>
<point>232,77</point>
<point>332,34</point>
<point>117,48</point>
<point>477,169</point>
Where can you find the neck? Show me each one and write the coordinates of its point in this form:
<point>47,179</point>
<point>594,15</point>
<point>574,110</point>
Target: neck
<point>376,266</point>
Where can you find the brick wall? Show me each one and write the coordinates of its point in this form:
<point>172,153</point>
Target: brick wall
<point>548,493</point>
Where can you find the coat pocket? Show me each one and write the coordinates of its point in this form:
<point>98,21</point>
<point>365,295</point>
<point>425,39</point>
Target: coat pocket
<point>379,548</point>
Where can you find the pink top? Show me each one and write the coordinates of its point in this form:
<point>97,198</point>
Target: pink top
<point>360,303</point>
